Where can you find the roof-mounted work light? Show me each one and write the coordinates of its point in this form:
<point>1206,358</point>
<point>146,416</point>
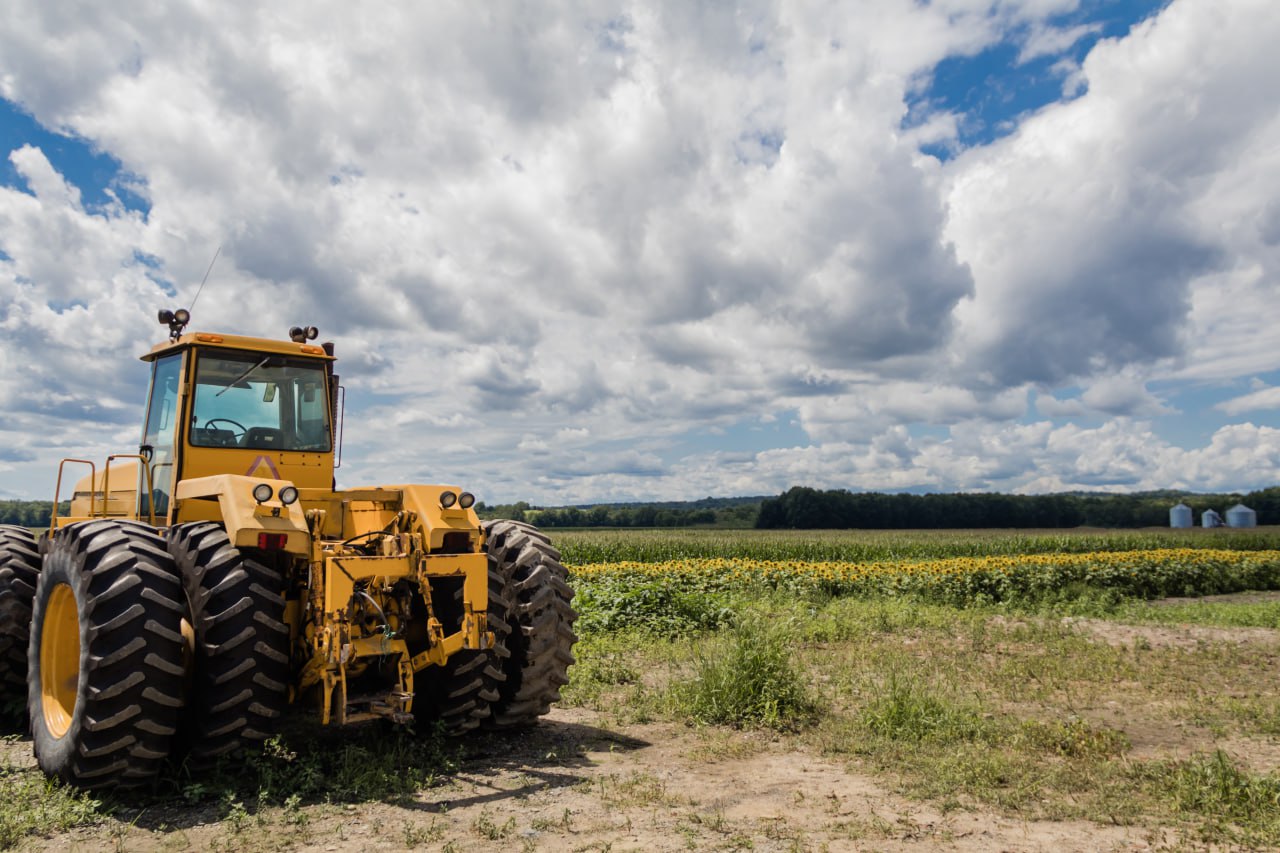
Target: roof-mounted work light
<point>301,334</point>
<point>176,321</point>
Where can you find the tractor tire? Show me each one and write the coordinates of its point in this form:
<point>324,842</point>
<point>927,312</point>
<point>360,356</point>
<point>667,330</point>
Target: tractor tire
<point>540,616</point>
<point>457,697</point>
<point>240,672</point>
<point>106,655</point>
<point>19,568</point>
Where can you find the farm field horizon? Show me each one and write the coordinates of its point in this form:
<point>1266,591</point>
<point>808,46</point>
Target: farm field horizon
<point>649,544</point>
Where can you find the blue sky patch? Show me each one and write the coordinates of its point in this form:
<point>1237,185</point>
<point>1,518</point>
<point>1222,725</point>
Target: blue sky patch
<point>76,159</point>
<point>751,436</point>
<point>988,92</point>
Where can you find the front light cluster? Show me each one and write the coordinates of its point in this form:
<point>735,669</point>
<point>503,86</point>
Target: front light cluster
<point>465,500</point>
<point>262,493</point>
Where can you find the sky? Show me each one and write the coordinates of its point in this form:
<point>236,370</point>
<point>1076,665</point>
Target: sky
<point>576,252</point>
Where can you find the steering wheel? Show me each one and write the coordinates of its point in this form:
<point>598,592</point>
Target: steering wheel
<point>243,429</point>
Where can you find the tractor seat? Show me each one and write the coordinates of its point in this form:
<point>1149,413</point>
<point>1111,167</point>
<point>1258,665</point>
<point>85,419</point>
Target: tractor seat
<point>265,438</point>
<point>214,437</point>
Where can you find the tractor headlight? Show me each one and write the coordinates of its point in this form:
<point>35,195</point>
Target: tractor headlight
<point>262,493</point>
<point>288,495</point>
<point>447,499</point>
<point>466,500</point>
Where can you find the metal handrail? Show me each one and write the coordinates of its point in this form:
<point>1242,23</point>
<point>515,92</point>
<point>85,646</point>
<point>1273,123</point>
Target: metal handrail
<point>57,491</point>
<point>106,481</point>
<point>106,487</point>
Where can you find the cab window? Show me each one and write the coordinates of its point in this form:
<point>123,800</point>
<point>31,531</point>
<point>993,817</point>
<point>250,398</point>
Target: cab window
<point>260,402</point>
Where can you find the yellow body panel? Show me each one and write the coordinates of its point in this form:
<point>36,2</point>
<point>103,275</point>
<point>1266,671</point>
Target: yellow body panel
<point>425,501</point>
<point>242,516</point>
<point>121,484</point>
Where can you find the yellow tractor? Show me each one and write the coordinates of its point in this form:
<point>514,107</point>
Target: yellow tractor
<point>202,585</point>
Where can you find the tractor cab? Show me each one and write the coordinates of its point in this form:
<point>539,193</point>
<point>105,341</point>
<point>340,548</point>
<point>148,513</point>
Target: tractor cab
<point>222,404</point>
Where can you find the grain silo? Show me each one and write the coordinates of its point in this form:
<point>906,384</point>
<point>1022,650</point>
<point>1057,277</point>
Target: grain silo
<point>1180,516</point>
<point>1210,518</point>
<point>1241,516</point>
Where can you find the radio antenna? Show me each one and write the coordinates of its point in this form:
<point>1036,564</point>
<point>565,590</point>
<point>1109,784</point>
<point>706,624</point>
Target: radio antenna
<point>206,278</point>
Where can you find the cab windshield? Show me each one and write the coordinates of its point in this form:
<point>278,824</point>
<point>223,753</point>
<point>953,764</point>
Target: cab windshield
<point>260,401</point>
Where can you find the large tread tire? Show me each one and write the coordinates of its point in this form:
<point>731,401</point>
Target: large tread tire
<point>117,590</point>
<point>19,570</point>
<point>457,697</point>
<point>540,616</point>
<point>240,677</point>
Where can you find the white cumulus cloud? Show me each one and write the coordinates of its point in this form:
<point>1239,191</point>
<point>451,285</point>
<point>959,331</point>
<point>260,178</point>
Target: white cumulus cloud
<point>566,250</point>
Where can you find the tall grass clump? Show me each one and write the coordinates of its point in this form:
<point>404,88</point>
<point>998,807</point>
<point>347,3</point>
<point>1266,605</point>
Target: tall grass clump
<point>1213,789</point>
<point>748,679</point>
<point>905,710</point>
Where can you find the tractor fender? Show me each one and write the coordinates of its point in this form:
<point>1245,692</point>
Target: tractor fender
<point>244,518</point>
<point>437,521</point>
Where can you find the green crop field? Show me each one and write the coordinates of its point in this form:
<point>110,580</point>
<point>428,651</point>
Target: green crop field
<point>657,545</point>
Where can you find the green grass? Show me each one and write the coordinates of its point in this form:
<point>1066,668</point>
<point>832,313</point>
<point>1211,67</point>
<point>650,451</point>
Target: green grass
<point>304,766</point>
<point>1260,614</point>
<point>30,805</point>
<point>748,678</point>
<point>985,706</point>
<point>1216,796</point>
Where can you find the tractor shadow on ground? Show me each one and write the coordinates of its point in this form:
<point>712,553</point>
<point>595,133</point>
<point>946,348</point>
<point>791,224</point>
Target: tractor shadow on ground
<point>496,766</point>
<point>543,758</point>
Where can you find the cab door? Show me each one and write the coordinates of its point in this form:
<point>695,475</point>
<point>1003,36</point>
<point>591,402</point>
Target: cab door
<point>160,438</point>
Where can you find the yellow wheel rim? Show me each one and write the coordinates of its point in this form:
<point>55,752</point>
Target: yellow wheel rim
<point>59,660</point>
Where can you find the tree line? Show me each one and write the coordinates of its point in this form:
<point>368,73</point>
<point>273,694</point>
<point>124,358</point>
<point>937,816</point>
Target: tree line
<point>708,512</point>
<point>29,513</point>
<point>803,507</point>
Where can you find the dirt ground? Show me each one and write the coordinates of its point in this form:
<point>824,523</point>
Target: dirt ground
<point>575,784</point>
<point>580,781</point>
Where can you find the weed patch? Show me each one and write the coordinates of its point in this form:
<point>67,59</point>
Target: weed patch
<point>1214,791</point>
<point>906,710</point>
<point>34,805</point>
<point>749,679</point>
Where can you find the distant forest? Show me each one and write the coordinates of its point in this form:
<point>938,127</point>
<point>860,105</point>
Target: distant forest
<point>29,513</point>
<point>707,512</point>
<point>802,507</point>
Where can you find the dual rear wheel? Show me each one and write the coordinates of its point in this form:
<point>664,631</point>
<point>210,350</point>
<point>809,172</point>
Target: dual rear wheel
<point>531,616</point>
<point>117,616</point>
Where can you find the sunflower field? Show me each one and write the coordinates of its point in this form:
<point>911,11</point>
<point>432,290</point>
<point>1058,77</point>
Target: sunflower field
<point>697,593</point>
